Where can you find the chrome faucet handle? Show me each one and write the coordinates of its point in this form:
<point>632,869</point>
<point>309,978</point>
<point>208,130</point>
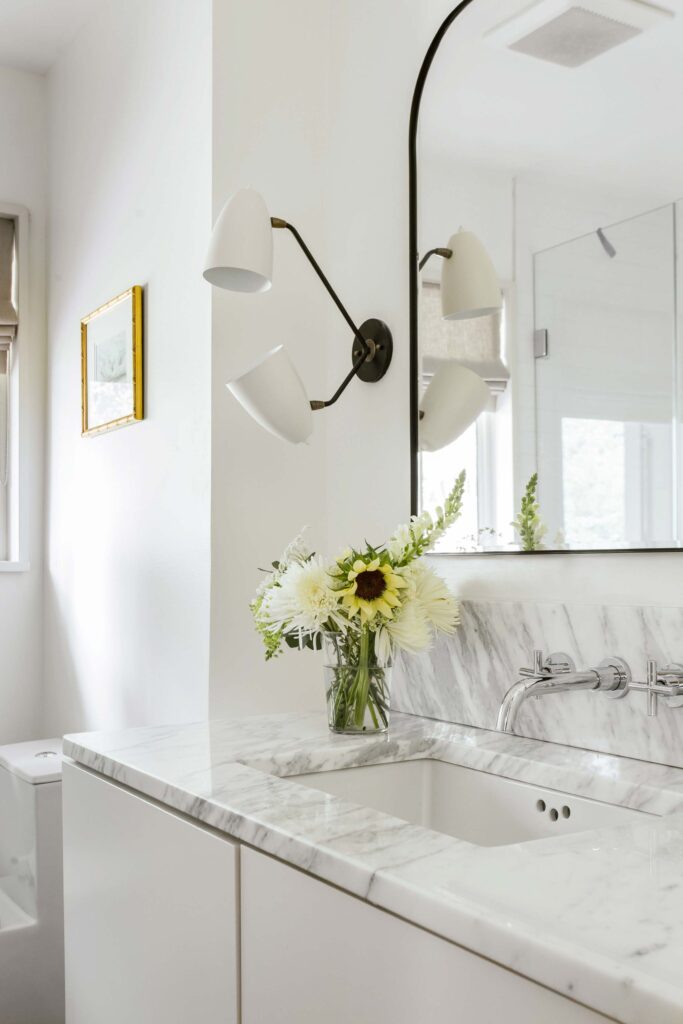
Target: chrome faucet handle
<point>538,670</point>
<point>545,668</point>
<point>666,683</point>
<point>651,688</point>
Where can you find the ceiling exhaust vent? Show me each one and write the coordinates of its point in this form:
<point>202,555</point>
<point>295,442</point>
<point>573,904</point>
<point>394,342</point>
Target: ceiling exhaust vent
<point>572,33</point>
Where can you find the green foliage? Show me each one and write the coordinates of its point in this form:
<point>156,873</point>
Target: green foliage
<point>528,523</point>
<point>272,638</point>
<point>304,641</point>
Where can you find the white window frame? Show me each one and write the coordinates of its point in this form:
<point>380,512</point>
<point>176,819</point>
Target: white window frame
<point>17,559</point>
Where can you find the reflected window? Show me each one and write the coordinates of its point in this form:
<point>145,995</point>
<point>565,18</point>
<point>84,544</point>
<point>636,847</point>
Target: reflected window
<point>625,469</point>
<point>593,463</point>
<point>439,470</point>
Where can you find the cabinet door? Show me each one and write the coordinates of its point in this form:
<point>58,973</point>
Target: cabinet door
<point>312,954</point>
<point>150,911</point>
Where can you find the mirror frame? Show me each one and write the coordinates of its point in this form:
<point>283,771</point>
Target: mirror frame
<point>414,361</point>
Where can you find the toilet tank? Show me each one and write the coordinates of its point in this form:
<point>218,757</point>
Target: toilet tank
<point>30,825</point>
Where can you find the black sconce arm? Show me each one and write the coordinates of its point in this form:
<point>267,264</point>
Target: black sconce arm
<point>372,344</point>
<point>444,253</point>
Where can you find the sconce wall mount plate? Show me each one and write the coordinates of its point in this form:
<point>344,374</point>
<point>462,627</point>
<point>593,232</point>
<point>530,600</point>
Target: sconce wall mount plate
<point>377,337</point>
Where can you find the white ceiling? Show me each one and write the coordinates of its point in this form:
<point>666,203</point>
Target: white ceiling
<point>32,32</point>
<point>614,120</point>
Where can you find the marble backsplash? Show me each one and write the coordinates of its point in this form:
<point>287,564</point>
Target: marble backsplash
<point>464,677</point>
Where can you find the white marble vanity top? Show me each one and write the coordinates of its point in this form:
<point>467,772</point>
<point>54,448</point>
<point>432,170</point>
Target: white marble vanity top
<point>597,915</point>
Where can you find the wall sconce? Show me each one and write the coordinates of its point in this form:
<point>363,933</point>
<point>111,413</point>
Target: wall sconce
<point>240,259</point>
<point>469,283</point>
<point>456,395</point>
<point>454,399</point>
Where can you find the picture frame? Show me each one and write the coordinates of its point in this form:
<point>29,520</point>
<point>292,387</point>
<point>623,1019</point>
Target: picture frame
<point>111,364</point>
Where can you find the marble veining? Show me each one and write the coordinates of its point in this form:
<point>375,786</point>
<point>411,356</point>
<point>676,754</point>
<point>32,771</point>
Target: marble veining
<point>595,915</point>
<point>465,676</point>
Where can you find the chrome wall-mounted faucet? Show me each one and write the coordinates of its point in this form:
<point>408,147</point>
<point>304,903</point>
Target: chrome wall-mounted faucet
<point>557,674</point>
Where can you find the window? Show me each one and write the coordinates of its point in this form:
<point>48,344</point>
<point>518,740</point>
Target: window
<point>484,450</point>
<point>9,326</point>
<point>626,467</point>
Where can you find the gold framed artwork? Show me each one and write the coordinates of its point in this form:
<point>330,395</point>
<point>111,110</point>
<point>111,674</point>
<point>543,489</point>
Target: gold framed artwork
<point>111,364</point>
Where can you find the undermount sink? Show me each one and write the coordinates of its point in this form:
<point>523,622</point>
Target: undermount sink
<point>484,809</point>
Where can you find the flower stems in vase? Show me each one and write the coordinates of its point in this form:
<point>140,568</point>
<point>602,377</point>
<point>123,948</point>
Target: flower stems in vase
<point>357,686</point>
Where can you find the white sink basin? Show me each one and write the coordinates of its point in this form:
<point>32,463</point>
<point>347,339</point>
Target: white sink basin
<point>484,809</point>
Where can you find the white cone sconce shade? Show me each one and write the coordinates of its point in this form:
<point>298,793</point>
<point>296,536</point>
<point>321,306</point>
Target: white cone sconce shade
<point>451,403</point>
<point>469,283</point>
<point>240,259</point>
<point>240,253</point>
<point>273,393</point>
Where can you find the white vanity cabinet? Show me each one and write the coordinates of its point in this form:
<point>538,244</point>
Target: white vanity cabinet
<point>168,922</point>
<point>313,954</point>
<point>151,911</point>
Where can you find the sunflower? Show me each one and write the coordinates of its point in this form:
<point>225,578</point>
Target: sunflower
<point>370,588</point>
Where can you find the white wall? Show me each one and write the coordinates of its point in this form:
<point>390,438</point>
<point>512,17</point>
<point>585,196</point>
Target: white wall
<point>23,181</point>
<point>310,106</point>
<point>377,48</point>
<point>128,559</point>
<point>271,129</point>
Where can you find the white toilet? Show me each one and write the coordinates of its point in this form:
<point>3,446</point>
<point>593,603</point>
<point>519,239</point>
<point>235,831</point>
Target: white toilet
<point>31,905</point>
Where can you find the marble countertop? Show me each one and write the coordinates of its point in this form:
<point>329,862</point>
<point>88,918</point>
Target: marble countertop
<point>597,915</point>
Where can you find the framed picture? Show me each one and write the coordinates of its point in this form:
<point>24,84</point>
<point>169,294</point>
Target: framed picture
<point>111,363</point>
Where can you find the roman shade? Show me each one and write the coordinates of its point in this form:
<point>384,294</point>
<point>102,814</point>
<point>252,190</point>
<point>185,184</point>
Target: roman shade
<point>475,343</point>
<point>8,312</point>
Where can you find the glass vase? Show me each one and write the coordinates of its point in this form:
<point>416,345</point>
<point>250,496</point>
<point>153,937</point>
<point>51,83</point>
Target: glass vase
<point>356,685</point>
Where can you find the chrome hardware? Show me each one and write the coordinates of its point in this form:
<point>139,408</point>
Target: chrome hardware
<point>624,677</point>
<point>540,343</point>
<point>666,684</point>
<point>546,668</point>
<point>557,674</point>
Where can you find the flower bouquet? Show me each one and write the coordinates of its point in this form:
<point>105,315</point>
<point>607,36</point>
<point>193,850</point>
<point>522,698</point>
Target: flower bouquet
<point>363,606</point>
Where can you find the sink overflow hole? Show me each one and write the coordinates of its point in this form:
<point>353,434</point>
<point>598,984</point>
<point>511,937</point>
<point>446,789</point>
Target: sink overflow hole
<point>553,814</point>
<point>540,805</point>
<point>566,811</point>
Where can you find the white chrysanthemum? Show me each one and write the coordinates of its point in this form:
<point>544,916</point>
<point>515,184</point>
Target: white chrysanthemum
<point>303,599</point>
<point>410,629</point>
<point>440,608</point>
<point>383,645</point>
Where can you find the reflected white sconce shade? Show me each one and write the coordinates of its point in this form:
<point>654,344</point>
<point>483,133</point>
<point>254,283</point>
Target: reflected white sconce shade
<point>240,253</point>
<point>469,283</point>
<point>451,403</point>
<point>273,393</point>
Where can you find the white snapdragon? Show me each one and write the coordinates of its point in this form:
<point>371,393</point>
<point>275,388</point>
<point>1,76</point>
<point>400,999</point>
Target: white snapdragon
<point>296,552</point>
<point>399,542</point>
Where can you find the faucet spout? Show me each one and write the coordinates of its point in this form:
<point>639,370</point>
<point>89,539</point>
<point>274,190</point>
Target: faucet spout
<point>611,675</point>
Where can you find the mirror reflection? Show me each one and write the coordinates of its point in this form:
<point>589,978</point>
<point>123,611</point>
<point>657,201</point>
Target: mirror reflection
<point>550,213</point>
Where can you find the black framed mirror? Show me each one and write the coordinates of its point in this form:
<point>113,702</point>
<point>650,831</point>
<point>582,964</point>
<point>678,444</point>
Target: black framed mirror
<point>546,279</point>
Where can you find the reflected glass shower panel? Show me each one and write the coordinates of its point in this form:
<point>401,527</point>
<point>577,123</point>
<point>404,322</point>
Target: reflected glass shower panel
<point>606,393</point>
